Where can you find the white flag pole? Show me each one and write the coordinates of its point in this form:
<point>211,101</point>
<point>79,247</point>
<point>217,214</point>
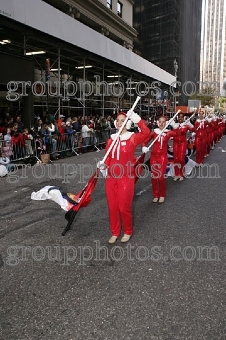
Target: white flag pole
<point>187,120</point>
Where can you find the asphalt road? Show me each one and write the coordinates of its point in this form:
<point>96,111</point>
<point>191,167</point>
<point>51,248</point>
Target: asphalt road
<point>164,285</point>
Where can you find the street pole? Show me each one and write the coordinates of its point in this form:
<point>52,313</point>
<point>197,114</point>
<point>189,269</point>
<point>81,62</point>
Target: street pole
<point>175,64</point>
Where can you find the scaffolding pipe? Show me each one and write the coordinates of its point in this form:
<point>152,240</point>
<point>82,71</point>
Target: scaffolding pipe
<point>59,82</point>
<point>83,89</point>
<point>103,93</point>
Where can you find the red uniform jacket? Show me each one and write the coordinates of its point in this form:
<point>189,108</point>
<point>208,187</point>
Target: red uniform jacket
<point>122,159</point>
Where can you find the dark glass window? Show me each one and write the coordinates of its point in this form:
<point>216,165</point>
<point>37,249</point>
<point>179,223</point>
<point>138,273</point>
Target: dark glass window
<point>109,4</point>
<point>119,9</point>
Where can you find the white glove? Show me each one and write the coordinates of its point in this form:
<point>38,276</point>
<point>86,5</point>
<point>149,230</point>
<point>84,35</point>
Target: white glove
<point>173,124</point>
<point>129,113</point>
<point>145,149</point>
<point>101,165</point>
<point>133,116</point>
<point>190,125</point>
<point>104,172</point>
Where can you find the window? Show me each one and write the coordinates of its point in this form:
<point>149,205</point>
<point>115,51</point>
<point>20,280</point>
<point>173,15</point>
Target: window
<point>119,9</point>
<point>109,4</point>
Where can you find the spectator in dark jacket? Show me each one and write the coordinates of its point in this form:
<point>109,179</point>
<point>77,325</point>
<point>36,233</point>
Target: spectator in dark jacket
<point>76,125</point>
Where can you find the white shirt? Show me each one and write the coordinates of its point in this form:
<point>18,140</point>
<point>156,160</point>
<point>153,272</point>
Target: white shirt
<point>85,131</point>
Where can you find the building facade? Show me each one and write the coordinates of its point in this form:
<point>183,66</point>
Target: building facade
<point>213,45</point>
<point>113,18</point>
<point>84,48</point>
<point>169,35</point>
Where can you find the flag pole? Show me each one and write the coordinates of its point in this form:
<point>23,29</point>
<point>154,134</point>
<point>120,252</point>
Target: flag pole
<point>187,120</point>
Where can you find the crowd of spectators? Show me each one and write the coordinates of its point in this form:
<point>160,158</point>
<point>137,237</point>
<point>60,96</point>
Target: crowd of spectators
<point>57,135</point>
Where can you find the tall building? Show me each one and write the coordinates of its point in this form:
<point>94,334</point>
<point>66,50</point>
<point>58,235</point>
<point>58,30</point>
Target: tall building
<point>213,44</point>
<point>169,35</point>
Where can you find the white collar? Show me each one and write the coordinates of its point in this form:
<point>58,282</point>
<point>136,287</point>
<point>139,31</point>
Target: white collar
<point>158,131</point>
<point>182,124</point>
<point>126,135</point>
<point>116,148</point>
<point>200,120</point>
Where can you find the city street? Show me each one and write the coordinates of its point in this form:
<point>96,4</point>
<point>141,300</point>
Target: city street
<point>167,283</point>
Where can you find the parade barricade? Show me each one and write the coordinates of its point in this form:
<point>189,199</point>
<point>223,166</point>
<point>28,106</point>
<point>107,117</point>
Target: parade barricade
<point>18,151</point>
<point>56,145</point>
<point>6,147</point>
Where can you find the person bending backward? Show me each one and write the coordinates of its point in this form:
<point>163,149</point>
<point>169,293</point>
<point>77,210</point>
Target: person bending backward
<point>120,181</point>
<point>180,146</point>
<point>159,158</point>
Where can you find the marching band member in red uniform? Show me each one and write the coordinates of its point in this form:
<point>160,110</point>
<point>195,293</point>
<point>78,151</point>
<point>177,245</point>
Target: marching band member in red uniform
<point>218,129</point>
<point>212,131</point>
<point>221,127</point>
<point>120,174</point>
<point>159,159</point>
<point>180,146</point>
<point>209,135</point>
<point>200,137</point>
<point>215,129</point>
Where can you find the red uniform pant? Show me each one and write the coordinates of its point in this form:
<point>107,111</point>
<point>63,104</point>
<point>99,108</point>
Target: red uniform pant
<point>200,144</point>
<point>158,164</point>
<point>212,138</point>
<point>179,152</point>
<point>120,192</point>
<point>220,132</point>
<point>215,136</point>
<point>209,142</point>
